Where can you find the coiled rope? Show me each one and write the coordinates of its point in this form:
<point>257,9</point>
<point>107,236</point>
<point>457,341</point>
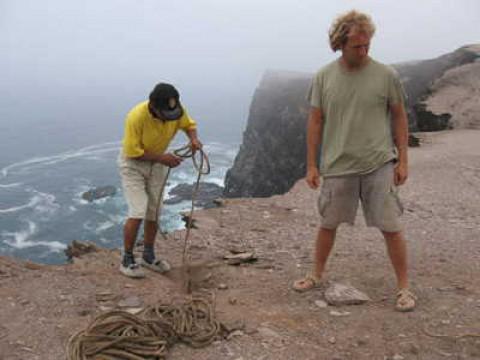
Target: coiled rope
<point>119,335</point>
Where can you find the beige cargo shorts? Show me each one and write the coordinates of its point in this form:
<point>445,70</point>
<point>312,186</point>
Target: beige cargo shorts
<point>142,183</point>
<point>339,197</point>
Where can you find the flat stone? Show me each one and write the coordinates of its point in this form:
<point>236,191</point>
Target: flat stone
<point>130,302</point>
<point>321,303</point>
<point>222,286</point>
<point>339,313</point>
<point>237,259</point>
<point>339,294</point>
<point>235,333</point>
<point>267,332</point>
<point>234,325</point>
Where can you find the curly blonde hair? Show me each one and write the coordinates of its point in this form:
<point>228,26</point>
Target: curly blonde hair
<point>344,23</point>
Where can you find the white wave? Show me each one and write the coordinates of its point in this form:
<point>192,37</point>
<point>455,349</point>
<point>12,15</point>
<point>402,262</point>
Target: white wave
<point>5,186</point>
<point>33,202</point>
<point>104,226</point>
<point>54,159</point>
<point>19,240</point>
<point>116,219</point>
<point>215,180</point>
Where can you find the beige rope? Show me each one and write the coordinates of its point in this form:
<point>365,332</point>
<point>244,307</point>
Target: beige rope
<point>148,336</point>
<point>446,336</point>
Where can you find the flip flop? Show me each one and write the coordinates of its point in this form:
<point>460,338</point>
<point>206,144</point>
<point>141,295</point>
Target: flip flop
<point>309,282</point>
<point>406,300</point>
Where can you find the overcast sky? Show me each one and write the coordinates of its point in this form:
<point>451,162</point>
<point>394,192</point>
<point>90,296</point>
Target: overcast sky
<point>213,50</point>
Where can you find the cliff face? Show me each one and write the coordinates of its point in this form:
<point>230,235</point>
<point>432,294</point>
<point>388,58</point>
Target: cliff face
<point>272,155</point>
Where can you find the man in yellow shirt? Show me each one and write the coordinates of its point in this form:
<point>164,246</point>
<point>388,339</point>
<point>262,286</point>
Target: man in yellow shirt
<point>149,128</point>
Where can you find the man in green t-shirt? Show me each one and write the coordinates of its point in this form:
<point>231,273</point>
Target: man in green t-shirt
<point>356,102</point>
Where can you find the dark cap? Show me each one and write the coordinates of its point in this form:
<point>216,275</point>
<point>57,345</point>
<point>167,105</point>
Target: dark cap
<point>165,100</point>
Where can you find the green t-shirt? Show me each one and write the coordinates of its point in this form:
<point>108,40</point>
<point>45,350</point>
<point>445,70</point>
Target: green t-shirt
<point>357,135</point>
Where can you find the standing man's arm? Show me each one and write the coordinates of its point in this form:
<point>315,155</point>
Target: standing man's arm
<point>314,136</point>
<point>400,129</point>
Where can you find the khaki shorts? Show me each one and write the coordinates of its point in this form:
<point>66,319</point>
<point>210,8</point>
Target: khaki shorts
<point>339,197</point>
<point>142,183</point>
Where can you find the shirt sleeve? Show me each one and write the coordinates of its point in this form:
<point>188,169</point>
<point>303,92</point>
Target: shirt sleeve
<point>396,93</point>
<point>186,122</point>
<point>132,140</point>
<point>314,94</point>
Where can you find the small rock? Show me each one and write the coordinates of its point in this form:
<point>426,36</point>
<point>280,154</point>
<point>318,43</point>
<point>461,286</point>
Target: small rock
<point>83,312</point>
<point>362,342</point>
<point>232,301</point>
<point>397,357</point>
<point>131,302</point>
<point>340,294</point>
<point>134,310</point>
<point>332,340</point>
<point>235,333</point>
<point>339,313</point>
<point>445,322</point>
<point>267,332</point>
<point>321,303</point>
<point>234,325</point>
<point>250,330</point>
<point>24,302</point>
<point>79,248</point>
<point>414,349</point>
<point>222,286</point>
<point>219,202</point>
<point>237,259</point>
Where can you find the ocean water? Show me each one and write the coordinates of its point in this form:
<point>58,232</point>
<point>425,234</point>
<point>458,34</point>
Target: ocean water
<point>41,209</point>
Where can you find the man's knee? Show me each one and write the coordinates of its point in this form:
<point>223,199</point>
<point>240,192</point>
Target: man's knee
<point>392,235</point>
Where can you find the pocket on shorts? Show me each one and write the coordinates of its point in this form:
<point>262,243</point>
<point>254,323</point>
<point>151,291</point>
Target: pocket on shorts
<point>323,201</point>
<point>395,200</point>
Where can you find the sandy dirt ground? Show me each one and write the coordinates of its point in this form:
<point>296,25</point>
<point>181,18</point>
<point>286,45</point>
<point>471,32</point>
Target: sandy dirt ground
<point>42,306</point>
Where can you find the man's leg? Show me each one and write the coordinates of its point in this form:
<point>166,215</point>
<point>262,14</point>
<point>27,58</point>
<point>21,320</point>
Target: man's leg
<point>323,247</point>
<point>130,232</point>
<point>150,231</point>
<point>128,266</point>
<point>397,251</point>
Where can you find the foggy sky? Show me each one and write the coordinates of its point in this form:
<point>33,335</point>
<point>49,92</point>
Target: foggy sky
<point>99,57</point>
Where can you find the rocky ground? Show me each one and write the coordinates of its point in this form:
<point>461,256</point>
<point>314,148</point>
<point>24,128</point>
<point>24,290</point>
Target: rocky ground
<point>42,306</point>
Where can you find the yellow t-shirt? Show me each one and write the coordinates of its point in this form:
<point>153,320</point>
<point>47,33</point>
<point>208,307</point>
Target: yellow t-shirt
<point>143,132</point>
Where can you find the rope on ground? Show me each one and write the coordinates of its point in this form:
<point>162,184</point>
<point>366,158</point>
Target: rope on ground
<point>147,336</point>
<point>446,336</point>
